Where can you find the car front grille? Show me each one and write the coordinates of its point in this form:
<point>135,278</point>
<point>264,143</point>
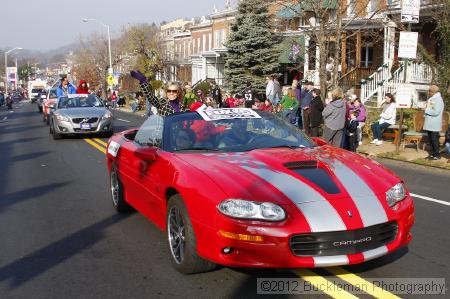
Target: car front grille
<point>85,130</point>
<point>91,120</point>
<point>343,242</point>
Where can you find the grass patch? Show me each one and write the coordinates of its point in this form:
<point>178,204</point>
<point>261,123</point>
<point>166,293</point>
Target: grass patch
<point>392,155</point>
<point>441,164</point>
<point>424,162</point>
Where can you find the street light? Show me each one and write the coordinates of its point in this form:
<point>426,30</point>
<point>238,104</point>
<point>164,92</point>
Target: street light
<point>6,67</point>
<point>85,20</point>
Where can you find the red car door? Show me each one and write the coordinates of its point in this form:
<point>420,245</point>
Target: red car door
<point>139,166</point>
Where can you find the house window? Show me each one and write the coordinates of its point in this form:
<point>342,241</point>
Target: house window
<point>210,42</point>
<point>351,8</point>
<point>373,6</point>
<point>204,42</point>
<point>366,56</point>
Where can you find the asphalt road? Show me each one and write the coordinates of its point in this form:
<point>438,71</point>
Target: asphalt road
<point>60,237</point>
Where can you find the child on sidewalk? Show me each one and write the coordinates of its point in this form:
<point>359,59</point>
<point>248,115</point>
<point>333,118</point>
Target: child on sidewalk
<point>352,131</point>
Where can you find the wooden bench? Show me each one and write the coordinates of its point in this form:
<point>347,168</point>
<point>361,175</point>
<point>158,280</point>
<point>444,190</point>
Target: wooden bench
<point>393,132</point>
<point>418,135</point>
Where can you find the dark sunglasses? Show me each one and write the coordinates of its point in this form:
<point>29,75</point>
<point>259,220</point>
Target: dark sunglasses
<point>172,91</point>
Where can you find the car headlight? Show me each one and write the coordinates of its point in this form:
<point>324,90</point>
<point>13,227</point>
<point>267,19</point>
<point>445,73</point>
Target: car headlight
<point>61,117</point>
<point>395,194</point>
<point>245,209</point>
<point>107,115</point>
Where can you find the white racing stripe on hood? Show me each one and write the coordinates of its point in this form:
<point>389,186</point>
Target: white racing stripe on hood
<point>369,207</point>
<point>319,213</point>
<point>329,261</point>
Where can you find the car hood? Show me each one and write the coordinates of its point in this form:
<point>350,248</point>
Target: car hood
<point>83,112</point>
<point>321,180</point>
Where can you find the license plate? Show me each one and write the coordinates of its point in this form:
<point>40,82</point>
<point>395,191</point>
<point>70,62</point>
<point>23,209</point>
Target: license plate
<point>85,126</point>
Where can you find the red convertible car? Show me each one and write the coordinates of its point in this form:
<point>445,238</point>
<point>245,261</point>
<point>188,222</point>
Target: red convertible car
<point>243,188</point>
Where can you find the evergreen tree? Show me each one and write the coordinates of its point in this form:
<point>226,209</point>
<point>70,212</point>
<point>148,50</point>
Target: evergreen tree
<point>252,51</point>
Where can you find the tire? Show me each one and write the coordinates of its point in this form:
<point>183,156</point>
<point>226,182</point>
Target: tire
<point>56,136</point>
<point>181,239</point>
<point>117,197</point>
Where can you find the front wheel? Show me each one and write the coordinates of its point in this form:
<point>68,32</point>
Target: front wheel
<point>182,241</point>
<point>118,199</point>
<point>56,135</point>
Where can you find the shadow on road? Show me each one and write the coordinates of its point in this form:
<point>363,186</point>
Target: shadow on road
<point>27,194</point>
<point>41,260</point>
<point>22,140</point>
<point>29,156</point>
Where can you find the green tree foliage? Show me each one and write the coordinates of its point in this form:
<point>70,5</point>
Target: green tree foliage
<point>252,52</point>
<point>25,71</point>
<point>142,40</point>
<point>443,29</point>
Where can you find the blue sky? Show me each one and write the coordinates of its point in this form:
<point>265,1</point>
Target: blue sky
<point>49,24</point>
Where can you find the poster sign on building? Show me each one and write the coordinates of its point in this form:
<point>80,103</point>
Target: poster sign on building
<point>410,11</point>
<point>407,47</point>
<point>404,95</point>
<point>12,77</point>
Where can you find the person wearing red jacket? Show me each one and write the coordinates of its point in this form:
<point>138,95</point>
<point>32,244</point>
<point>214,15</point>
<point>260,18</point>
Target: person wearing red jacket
<point>82,88</point>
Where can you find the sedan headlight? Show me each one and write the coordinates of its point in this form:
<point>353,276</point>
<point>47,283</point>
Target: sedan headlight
<point>245,209</point>
<point>107,115</point>
<point>61,117</point>
<point>395,194</point>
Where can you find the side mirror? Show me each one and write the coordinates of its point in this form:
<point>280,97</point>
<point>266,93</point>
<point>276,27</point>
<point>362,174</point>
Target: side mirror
<point>148,154</point>
<point>319,141</point>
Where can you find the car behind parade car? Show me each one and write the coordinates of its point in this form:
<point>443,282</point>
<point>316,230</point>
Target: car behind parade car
<point>243,188</point>
<point>80,114</point>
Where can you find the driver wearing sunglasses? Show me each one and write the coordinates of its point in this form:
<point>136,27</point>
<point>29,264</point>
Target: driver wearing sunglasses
<point>166,106</point>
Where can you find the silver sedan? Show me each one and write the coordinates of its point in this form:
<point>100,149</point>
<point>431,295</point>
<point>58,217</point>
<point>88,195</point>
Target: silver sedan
<point>80,114</point>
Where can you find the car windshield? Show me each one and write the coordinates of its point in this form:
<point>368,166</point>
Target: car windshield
<point>79,102</point>
<point>188,132</point>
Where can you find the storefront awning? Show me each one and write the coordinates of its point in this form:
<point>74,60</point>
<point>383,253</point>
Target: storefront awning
<point>292,50</point>
<point>289,12</point>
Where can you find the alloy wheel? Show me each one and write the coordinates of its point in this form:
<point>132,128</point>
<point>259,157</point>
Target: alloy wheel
<point>176,232</point>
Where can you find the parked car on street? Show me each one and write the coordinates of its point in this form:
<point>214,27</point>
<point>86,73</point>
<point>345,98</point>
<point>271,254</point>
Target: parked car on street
<point>77,114</point>
<point>243,188</point>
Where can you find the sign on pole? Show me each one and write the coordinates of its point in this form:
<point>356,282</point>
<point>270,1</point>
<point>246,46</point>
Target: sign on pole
<point>12,77</point>
<point>404,95</point>
<point>410,11</point>
<point>407,47</point>
<point>110,80</point>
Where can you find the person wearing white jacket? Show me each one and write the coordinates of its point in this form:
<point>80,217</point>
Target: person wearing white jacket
<point>387,118</point>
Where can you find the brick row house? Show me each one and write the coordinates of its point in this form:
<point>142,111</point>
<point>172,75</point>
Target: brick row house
<point>194,50</point>
<point>368,46</point>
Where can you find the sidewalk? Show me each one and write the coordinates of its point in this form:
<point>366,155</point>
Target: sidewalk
<point>387,150</point>
<point>127,109</point>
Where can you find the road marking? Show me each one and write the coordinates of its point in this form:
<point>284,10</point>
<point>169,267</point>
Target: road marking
<point>124,120</point>
<point>363,284</point>
<point>97,146</point>
<point>431,199</point>
<point>319,282</point>
<point>101,142</point>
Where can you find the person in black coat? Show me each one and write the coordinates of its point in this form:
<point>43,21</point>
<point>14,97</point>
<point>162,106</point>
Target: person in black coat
<point>352,128</point>
<point>315,118</point>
